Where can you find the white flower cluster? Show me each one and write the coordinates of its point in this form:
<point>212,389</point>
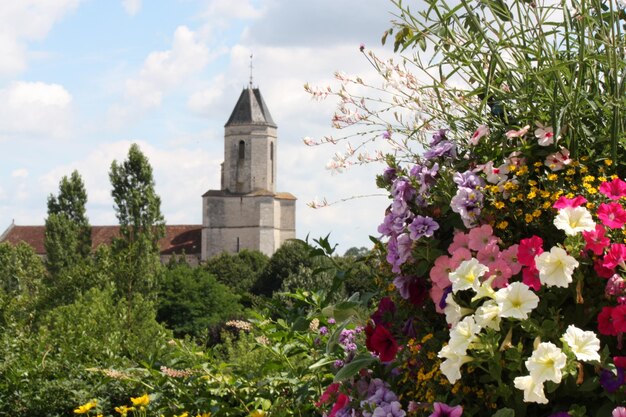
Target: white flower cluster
<point>516,301</point>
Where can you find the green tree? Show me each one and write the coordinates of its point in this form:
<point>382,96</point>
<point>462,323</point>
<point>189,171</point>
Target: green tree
<point>192,302</point>
<point>68,233</point>
<point>238,271</point>
<point>138,209</point>
<point>287,260</point>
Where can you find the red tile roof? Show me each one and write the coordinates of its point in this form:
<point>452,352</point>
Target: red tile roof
<point>178,238</point>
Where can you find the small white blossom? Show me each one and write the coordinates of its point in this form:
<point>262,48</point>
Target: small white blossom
<point>546,363</point>
<point>584,344</point>
<point>573,220</point>
<point>451,366</point>
<point>466,275</point>
<point>463,334</point>
<point>555,267</point>
<point>453,311</point>
<point>488,315</point>
<point>544,135</point>
<point>516,301</point>
<point>533,391</point>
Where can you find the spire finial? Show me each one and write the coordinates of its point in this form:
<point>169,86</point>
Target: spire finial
<point>251,71</point>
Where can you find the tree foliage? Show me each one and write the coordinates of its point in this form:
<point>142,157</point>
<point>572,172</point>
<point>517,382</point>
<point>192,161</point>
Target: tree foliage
<point>287,260</point>
<point>239,271</point>
<point>68,233</point>
<point>138,209</point>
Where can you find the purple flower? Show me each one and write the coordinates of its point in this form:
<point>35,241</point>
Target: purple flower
<point>438,136</point>
<point>323,330</point>
<point>338,363</point>
<point>389,174</point>
<point>385,311</point>
<point>442,302</point>
<point>402,189</point>
<point>422,226</point>
<point>393,409</point>
<point>425,176</point>
<point>399,251</point>
<point>611,382</point>
<point>467,203</point>
<point>347,340</point>
<point>393,224</point>
<point>331,321</point>
<point>386,134</point>
<point>468,179</point>
<point>443,149</point>
<point>444,410</point>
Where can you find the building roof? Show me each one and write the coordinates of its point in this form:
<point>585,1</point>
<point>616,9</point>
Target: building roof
<point>253,193</point>
<point>250,109</point>
<point>178,238</point>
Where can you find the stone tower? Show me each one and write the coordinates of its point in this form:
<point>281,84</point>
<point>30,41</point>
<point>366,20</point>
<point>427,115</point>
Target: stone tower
<point>247,212</point>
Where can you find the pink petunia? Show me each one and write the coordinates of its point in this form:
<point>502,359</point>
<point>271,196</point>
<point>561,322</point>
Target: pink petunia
<point>501,270</point>
<point>563,202</point>
<point>530,277</point>
<point>482,130</point>
<point>488,254</point>
<point>509,255</point>
<point>440,271</point>
<point>605,322</point>
<point>601,270</point>
<point>596,241</point>
<point>517,133</point>
<point>615,256</point>
<point>612,215</point>
<point>614,189</point>
<point>528,249</point>
<point>460,240</point>
<point>619,318</point>
<point>479,237</point>
<point>459,256</point>
<point>436,294</point>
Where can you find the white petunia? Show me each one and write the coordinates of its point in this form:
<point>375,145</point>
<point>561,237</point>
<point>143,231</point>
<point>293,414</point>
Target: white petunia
<point>533,391</point>
<point>485,290</point>
<point>451,367</point>
<point>466,275</point>
<point>555,267</point>
<point>454,312</point>
<point>488,315</point>
<point>584,344</point>
<point>463,334</point>
<point>573,220</point>
<point>516,301</point>
<point>546,363</point>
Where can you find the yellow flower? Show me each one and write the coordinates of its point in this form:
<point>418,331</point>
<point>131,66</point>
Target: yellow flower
<point>538,164</point>
<point>84,409</point>
<point>123,410</point>
<point>532,194</point>
<point>258,413</point>
<point>499,205</point>
<point>532,183</point>
<point>204,415</point>
<point>528,218</point>
<point>502,225</point>
<point>142,401</point>
<point>570,172</point>
<point>608,162</point>
<point>184,414</point>
<point>536,213</point>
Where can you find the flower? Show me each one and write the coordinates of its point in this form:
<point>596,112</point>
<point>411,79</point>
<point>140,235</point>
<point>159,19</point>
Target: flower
<point>546,363</point>
<point>563,202</point>
<point>556,267</point>
<point>544,135</point>
<point>480,237</point>
<point>481,131</point>
<point>342,401</point>
<point>595,240</point>
<point>618,314</point>
<point>614,189</point>
<point>453,311</point>
<point>557,161</point>
<point>444,410</point>
<point>466,275</point>
<point>463,334</point>
<point>422,226</point>
<point>584,344</point>
<point>488,315</point>
<point>573,220</point>
<point>605,322</point>
<point>533,390</point>
<point>142,401</point>
<point>528,249</point>
<point>619,412</point>
<point>516,301</point>
<point>530,277</point>
<point>84,409</point>
<point>379,340</point>
<point>467,203</point>
<point>451,366</point>
<point>612,215</point>
<point>612,381</point>
<point>517,133</point>
<point>615,256</point>
<point>393,409</point>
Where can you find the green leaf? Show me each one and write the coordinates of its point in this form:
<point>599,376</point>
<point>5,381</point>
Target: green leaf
<point>352,368</point>
<point>504,412</point>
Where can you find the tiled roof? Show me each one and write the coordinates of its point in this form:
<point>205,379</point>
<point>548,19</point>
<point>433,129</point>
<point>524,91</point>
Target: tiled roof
<point>178,238</point>
<point>250,109</point>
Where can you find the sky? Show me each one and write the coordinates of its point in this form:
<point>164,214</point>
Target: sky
<point>81,80</point>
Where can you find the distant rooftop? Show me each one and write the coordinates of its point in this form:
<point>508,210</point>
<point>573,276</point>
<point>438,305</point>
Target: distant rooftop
<point>250,109</point>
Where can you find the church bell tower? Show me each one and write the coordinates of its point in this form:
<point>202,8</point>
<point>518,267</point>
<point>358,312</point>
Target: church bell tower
<point>247,212</point>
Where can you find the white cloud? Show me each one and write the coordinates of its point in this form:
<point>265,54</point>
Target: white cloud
<point>228,9</point>
<point>19,173</point>
<point>35,108</point>
<point>23,21</point>
<point>131,7</point>
<point>205,100</point>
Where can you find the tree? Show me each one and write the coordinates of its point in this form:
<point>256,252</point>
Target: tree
<point>287,260</point>
<point>191,301</point>
<point>238,271</point>
<point>138,210</point>
<point>68,233</point>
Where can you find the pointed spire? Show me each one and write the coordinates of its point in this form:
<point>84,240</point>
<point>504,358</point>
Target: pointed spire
<point>250,109</point>
<point>250,71</point>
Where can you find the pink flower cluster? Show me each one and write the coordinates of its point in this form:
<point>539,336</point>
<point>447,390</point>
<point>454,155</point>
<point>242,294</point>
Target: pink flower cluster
<point>480,243</point>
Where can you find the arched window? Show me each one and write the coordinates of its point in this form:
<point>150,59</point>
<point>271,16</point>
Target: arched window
<point>242,149</point>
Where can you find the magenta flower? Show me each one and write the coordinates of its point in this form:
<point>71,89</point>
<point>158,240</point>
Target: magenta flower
<point>614,189</point>
<point>530,277</point>
<point>615,256</point>
<point>444,410</point>
<point>563,202</point>
<point>619,412</point>
<point>612,215</point>
<point>596,240</point>
<point>528,249</point>
<point>601,270</point>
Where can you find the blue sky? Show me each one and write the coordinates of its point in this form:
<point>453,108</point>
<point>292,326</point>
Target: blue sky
<point>80,80</point>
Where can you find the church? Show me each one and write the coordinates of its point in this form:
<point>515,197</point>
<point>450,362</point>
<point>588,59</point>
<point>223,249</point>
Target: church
<point>246,212</point>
